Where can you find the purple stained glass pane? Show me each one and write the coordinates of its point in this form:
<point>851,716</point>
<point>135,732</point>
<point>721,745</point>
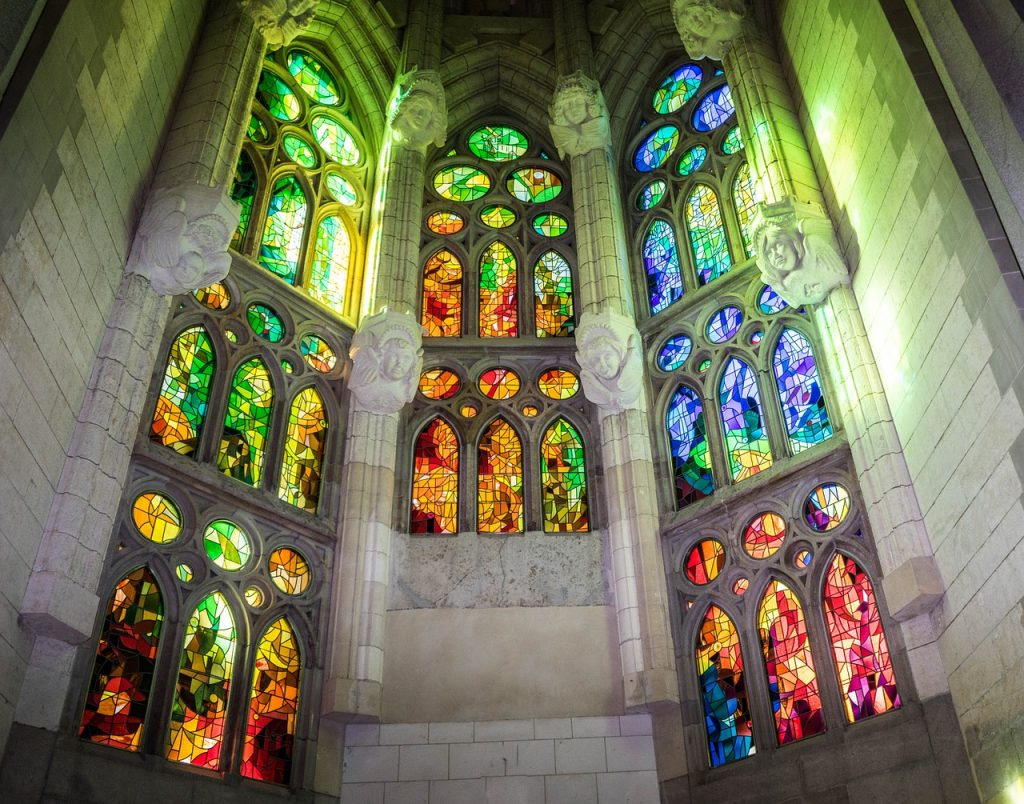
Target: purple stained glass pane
<point>803,404</point>
<point>661,261</point>
<point>691,458</point>
<point>674,352</point>
<point>714,109</point>
<point>724,324</point>
<point>770,302</point>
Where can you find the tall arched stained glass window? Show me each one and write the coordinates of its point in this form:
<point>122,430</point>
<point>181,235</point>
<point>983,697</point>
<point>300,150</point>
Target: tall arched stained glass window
<point>792,683</point>
<point>199,710</point>
<point>305,441</point>
<point>243,191</point>
<point>184,392</point>
<point>500,480</point>
<point>435,480</point>
<point>552,292</point>
<point>247,423</point>
<point>863,664</point>
<point>563,479</point>
<point>332,254</point>
<point>707,234</point>
<point>661,261</point>
<point>723,689</point>
<point>745,197</point>
<point>803,403</point>
<point>746,439</point>
<point>499,308</point>
<point>283,231</point>
<point>117,701</point>
<point>691,458</point>
<point>442,295</point>
<point>273,706</point>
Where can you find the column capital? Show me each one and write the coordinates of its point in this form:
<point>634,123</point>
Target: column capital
<point>279,21</point>
<point>797,251</point>
<point>182,240</point>
<point>609,356</point>
<point>418,112</point>
<point>386,361</point>
<point>579,116</point>
<point>708,27</point>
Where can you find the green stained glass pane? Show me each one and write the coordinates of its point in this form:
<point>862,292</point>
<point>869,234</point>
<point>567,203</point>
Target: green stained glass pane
<point>744,196</point>
<point>451,152</point>
<point>498,143</point>
<point>733,141</point>
<point>257,129</point>
<point>277,98</point>
<point>247,423</point>
<point>282,233</point>
<point>342,189</point>
<point>553,304</point>
<point>299,150</point>
<point>550,224</point>
<point>534,185</point>
<point>651,195</point>
<point>461,183</point>
<point>265,322</point>
<point>313,78</point>
<point>692,160</point>
<point>302,462</point>
<point>498,217</point>
<point>337,143</point>
<point>498,309</point>
<point>184,572</point>
<point>318,353</point>
<point>243,191</point>
<point>226,545</point>
<point>707,234</point>
<point>185,392</point>
<point>332,251</point>
<point>563,480</point>
<point>677,88</point>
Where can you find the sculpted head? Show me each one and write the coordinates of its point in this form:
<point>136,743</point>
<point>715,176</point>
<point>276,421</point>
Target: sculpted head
<point>397,355</point>
<point>781,247</point>
<point>708,27</point>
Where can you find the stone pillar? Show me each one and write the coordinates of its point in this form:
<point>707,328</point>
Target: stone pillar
<point>799,256</point>
<point>610,355</point>
<point>180,244</point>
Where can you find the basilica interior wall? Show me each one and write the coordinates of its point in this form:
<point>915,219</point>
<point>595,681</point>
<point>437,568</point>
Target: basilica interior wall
<point>946,332</point>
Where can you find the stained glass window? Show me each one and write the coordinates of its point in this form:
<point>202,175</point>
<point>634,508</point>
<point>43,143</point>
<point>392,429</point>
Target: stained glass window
<point>656,149</point>
<point>318,353</point>
<point>863,664</point>
<point>498,143</point>
<point>439,383</point>
<point>792,683</point>
<point>499,383</point>
<point>118,696</point>
<point>299,150</point>
<point>707,234</point>
<point>215,296</point>
<point>558,384</point>
<point>199,711</point>
<point>445,223</point>
<point>692,160</point>
<point>306,439</point>
<point>745,196</point>
<point>714,109</point>
<point>289,571</point>
<point>247,423</point>
<point>826,507</point>
<point>803,404</point>
<point>313,77</point>
<point>500,480</point>
<point>661,260</point>
<point>277,97</point>
<point>704,562</point>
<point>243,191</point>
<point>497,216</point>
<point>691,457</point>
<point>184,392</point>
<point>534,185</point>
<point>724,324</point>
<point>677,88</point>
<point>723,689</point>
<point>563,479</point>
<point>763,537</point>
<point>227,545</point>
<point>282,234</point>
<point>266,323</point>
<point>341,188</point>
<point>674,353</point>
<point>332,254</point>
<point>652,194</point>
<point>273,706</point>
<point>442,295</point>
<point>746,439</point>
<point>552,287</point>
<point>550,224</point>
<point>461,183</point>
<point>336,140</point>
<point>733,141</point>
<point>435,480</point>
<point>156,517</point>
<point>770,302</point>
<point>499,314</point>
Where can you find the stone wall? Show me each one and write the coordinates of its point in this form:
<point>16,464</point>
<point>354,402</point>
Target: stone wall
<point>939,291</point>
<point>75,160</point>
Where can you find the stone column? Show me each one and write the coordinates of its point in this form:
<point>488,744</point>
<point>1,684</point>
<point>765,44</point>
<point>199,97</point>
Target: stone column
<point>610,354</point>
<point>180,244</point>
<point>799,256</point>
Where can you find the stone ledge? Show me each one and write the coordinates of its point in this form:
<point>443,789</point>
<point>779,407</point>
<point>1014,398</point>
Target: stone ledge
<point>913,588</point>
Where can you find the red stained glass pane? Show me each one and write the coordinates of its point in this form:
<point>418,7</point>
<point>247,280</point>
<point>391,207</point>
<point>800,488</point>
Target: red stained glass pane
<point>439,383</point>
<point>435,480</point>
<point>499,315</point>
<point>499,383</point>
<point>442,295</point>
<point>704,561</point>
<point>764,535</point>
<point>500,480</point>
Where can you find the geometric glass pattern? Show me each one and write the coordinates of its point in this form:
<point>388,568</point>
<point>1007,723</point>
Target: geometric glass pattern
<point>277,98</point>
<point>184,392</point>
<point>318,354</point>
<point>445,223</point>
<point>746,439</point>
<point>677,88</point>
<point>439,383</point>
<point>692,160</point>
<point>282,234</point>
<point>215,296</point>
<point>247,423</point>
<point>497,216</point>
<point>803,404</point>
<point>714,109</point>
<point>265,322</point>
<point>563,479</point>
<point>442,295</point>
<point>499,383</point>
<point>299,150</point>
<point>691,457</point>
<point>533,185</point>
<point>337,143</point>
<point>827,507</point>
<point>226,545</point>
<point>733,141</point>
<point>654,151</point>
<point>558,384</point>
<point>461,183</point>
<point>156,517</point>
<point>341,188</point>
<point>724,324</point>
<point>328,273</point>
<point>652,194</point>
<point>661,261</point>
<point>498,143</point>
<point>313,78</point>
<point>770,302</point>
<point>674,352</point>
<point>288,571</point>
<point>302,462</point>
<point>744,197</point>
<point>707,234</point>
<point>498,311</point>
<point>704,561</point>
<point>764,535</point>
<point>550,224</point>
<point>500,480</point>
<point>552,287</point>
<point>243,191</point>
<point>435,480</point>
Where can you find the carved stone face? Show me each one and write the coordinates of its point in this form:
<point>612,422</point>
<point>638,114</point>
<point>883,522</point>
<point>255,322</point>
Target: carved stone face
<point>700,20</point>
<point>607,357</point>
<point>415,113</point>
<point>396,358</point>
<point>780,251</point>
<point>574,106</point>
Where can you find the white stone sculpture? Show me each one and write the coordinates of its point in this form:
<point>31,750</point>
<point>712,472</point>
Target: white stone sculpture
<point>182,240</point>
<point>279,21</point>
<point>609,356</point>
<point>797,252</point>
<point>418,112</point>
<point>579,116</point>
<point>386,362</point>
<point>708,27</point>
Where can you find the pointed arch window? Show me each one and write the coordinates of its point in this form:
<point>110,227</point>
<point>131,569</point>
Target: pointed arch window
<point>435,484</point>
<point>500,480</point>
<point>691,457</point>
<point>563,479</point>
<point>661,261</point>
<point>552,292</point>
<point>499,307</point>
<point>283,231</point>
<point>247,424</point>
<point>442,295</point>
<point>707,234</point>
<point>744,197</point>
<point>803,403</point>
<point>185,392</point>
<point>302,463</point>
<point>746,438</point>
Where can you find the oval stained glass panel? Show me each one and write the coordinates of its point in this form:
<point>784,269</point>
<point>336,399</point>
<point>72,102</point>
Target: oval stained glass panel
<point>337,143</point>
<point>534,185</point>
<point>724,324</point>
<point>277,97</point>
<point>498,143</point>
<point>288,571</point>
<point>445,223</point>
<point>299,150</point>
<point>558,384</point>
<point>674,352</point>
<point>215,296</point>
<point>764,535</point>
<point>156,517</point>
<point>184,572</point>
<point>313,78</point>
<point>770,302</point>
<point>550,224</point>
<point>497,216</point>
<point>265,322</point>
<point>714,109</point>
<point>499,383</point>
<point>318,354</point>
<point>704,561</point>
<point>692,160</point>
<point>253,596</point>
<point>226,545</point>
<point>654,151</point>
<point>462,183</point>
<point>651,195</point>
<point>677,88</point>
<point>826,507</point>
<point>342,189</point>
<point>257,130</point>
<point>439,383</point>
<point>733,141</point>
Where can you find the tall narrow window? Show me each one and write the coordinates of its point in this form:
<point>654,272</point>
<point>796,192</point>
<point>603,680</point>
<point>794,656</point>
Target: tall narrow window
<point>792,684</point>
<point>552,289</point>
<point>442,295</point>
<point>247,423</point>
<point>435,480</point>
<point>861,652</point>
<point>744,196</point>
<point>723,689</point>
<point>243,191</point>
<point>803,404</point>
<point>184,392</point>
<point>707,234</point>
<point>199,711</point>
<point>302,463</point>
<point>499,309</point>
<point>281,246</point>
<point>273,706</point>
<point>661,261</point>
<point>118,697</point>
<point>563,479</point>
<point>500,480</point>
<point>691,458</point>
<point>746,439</point>
<point>332,253</point>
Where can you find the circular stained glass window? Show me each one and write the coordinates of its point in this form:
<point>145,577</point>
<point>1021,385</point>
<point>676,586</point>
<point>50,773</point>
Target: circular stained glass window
<point>313,78</point>
<point>498,143</point>
<point>740,585</point>
<point>462,183</point>
<point>342,189</point>
<point>318,354</point>
<point>257,130</point>
<point>534,185</point>
<point>755,337</point>
<point>299,150</point>
<point>469,411</point>
<point>714,109</point>
<point>253,596</point>
<point>497,216</point>
<point>764,535</point>
<point>216,296</point>
<point>802,560</point>
<point>288,570</point>
<point>674,352</point>
<point>277,97</point>
<point>337,143</point>
<point>530,411</point>
<point>770,302</point>
<point>651,195</point>
<point>499,383</point>
<point>705,561</point>
<point>558,384</point>
<point>705,364</point>
<point>692,160</point>
<point>439,383</point>
<point>677,88</point>
<point>550,224</point>
<point>724,324</point>
<point>184,572</point>
<point>265,322</point>
<point>827,507</point>
<point>227,545</point>
<point>445,223</point>
<point>655,150</point>
<point>156,517</point>
<point>287,367</point>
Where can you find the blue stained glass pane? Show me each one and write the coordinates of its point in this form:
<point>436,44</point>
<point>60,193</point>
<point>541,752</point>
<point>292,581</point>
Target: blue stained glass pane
<point>724,324</point>
<point>691,458</point>
<point>651,195</point>
<point>674,353</point>
<point>714,109</point>
<point>770,302</point>
<point>656,149</point>
<point>803,404</point>
<point>723,689</point>
<point>746,438</point>
<point>661,260</point>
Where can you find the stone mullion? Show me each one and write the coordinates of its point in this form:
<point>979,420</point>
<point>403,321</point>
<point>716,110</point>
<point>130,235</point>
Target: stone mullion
<point>398,263</point>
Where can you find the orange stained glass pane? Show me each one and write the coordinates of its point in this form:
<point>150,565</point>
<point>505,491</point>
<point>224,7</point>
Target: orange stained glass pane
<point>764,535</point>
<point>704,561</point>
<point>469,411</point>
<point>216,296</point>
<point>442,295</point>
<point>184,393</point>
<point>302,463</point>
<point>499,313</point>
<point>273,706</point>
<point>439,383</point>
<point>499,383</point>
<point>156,517</point>
<point>435,480</point>
<point>289,571</point>
<point>563,479</point>
<point>445,223</point>
<point>530,411</point>
<point>558,384</point>
<point>500,480</point>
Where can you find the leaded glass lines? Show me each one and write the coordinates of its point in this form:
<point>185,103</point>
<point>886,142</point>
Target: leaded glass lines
<point>247,423</point>
<point>302,464</point>
<point>723,689</point>
<point>564,479</point>
<point>435,484</point>
<point>184,392</point>
<point>500,480</point>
